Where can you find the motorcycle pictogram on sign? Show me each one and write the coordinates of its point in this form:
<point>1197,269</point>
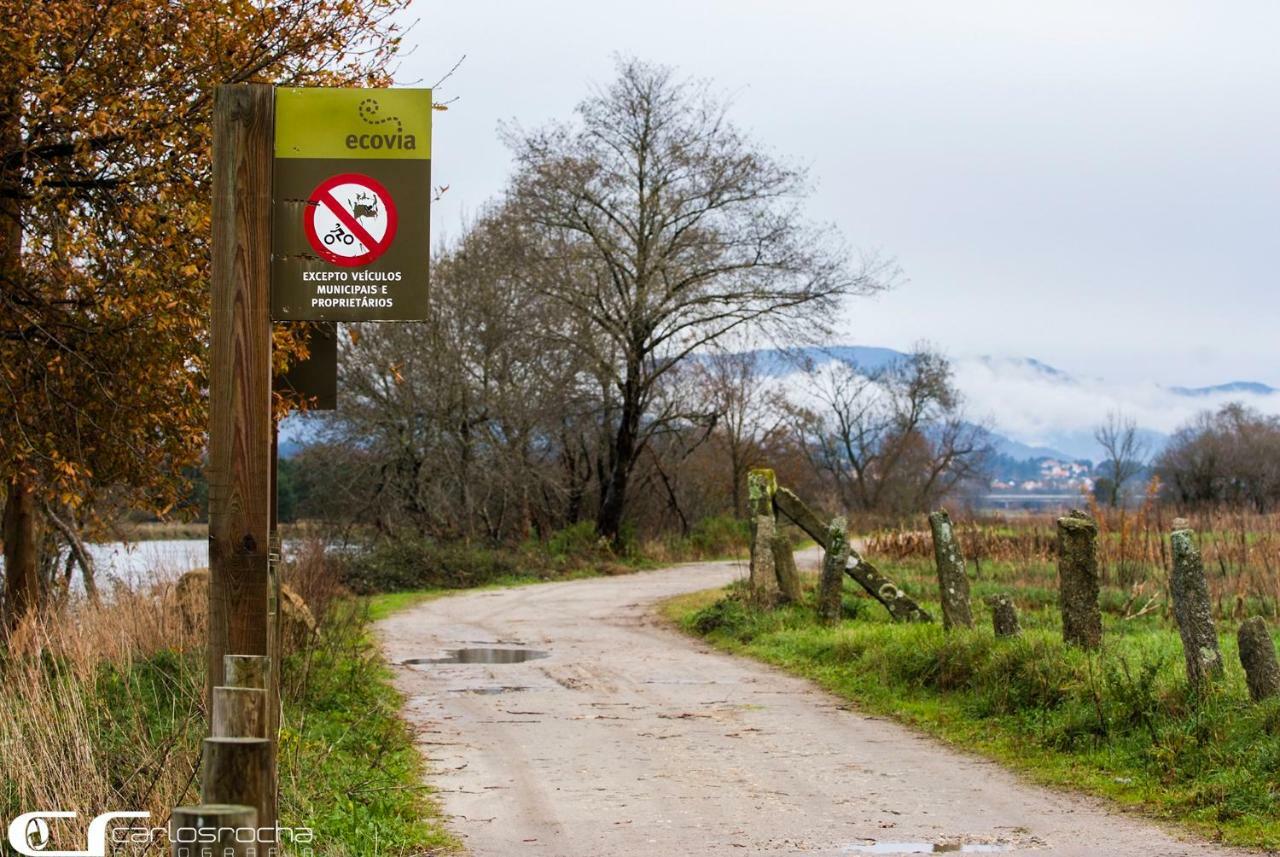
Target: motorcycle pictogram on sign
<point>350,219</point>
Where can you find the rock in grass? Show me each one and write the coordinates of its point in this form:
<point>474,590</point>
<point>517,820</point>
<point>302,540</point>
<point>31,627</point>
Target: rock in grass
<point>1078,580</point>
<point>1258,657</point>
<point>1004,615</point>
<point>953,584</point>
<point>1193,610</point>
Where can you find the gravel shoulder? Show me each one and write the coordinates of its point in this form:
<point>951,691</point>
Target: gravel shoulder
<point>631,740</point>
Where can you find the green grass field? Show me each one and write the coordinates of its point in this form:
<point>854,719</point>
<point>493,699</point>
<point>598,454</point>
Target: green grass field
<point>1120,723</point>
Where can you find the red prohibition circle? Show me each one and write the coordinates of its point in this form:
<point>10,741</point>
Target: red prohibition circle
<point>322,196</point>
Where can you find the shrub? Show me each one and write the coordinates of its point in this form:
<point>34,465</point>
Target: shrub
<point>576,540</point>
<point>728,616</point>
<point>394,565</point>
<point>719,535</point>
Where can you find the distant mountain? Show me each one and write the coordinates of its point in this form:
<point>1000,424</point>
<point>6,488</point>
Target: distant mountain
<point>1253,388</point>
<point>1036,410</point>
<point>1023,451</point>
<point>775,363</point>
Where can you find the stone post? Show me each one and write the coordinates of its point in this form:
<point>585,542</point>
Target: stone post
<point>1004,615</point>
<point>1078,580</point>
<point>953,583</point>
<point>1193,610</point>
<point>1258,657</point>
<point>784,563</point>
<point>761,485</point>
<point>831,584</point>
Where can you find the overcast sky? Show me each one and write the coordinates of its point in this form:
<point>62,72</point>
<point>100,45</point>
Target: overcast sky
<point>1094,184</point>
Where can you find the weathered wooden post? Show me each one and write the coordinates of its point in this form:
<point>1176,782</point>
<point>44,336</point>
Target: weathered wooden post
<point>1193,610</point>
<point>240,431</point>
<point>953,583</point>
<point>1258,657</point>
<point>245,670</point>
<point>238,770</point>
<point>1004,615</point>
<point>1078,580</point>
<point>200,831</point>
<point>761,484</point>
<point>239,712</point>
<point>831,584</point>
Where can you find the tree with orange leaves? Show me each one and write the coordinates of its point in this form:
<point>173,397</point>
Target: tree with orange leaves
<point>104,228</point>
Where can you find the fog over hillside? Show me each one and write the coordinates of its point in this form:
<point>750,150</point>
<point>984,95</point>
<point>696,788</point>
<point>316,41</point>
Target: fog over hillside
<point>1043,409</point>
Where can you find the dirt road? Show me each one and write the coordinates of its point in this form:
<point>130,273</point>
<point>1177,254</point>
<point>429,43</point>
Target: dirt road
<point>631,740</point>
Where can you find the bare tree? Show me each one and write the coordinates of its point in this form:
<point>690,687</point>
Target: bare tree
<point>1126,453</point>
<point>1229,456</point>
<point>679,231</point>
<point>458,412</point>
<point>894,440</point>
<point>747,413</point>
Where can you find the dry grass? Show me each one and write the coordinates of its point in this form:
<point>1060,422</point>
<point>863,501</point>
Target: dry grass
<point>101,709</point>
<point>102,706</point>
<point>1241,549</point>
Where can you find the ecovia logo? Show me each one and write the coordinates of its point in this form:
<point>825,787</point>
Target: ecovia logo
<point>29,833</point>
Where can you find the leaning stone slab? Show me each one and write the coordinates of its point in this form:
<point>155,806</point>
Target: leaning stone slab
<point>882,589</point>
<point>1193,610</point>
<point>801,515</point>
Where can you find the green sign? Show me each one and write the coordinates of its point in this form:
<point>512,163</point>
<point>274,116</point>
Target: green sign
<point>351,227</point>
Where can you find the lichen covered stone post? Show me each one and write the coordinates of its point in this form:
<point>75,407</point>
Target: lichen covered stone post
<point>1258,657</point>
<point>761,485</point>
<point>831,583</point>
<point>1193,610</point>
<point>1004,615</point>
<point>784,563</point>
<point>1078,580</point>
<point>953,584</point>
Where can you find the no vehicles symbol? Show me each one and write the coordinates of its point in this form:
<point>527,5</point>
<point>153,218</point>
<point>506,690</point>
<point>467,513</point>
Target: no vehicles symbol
<point>350,219</point>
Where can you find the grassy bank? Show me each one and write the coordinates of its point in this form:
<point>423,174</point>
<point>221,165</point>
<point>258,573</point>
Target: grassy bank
<point>102,709</point>
<point>348,765</point>
<point>1120,723</point>
<point>412,568</point>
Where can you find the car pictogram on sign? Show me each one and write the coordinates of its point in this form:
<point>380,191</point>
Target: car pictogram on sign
<point>350,219</point>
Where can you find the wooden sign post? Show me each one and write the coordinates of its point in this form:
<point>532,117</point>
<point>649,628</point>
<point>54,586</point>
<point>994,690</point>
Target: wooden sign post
<point>321,208</point>
<point>240,423</point>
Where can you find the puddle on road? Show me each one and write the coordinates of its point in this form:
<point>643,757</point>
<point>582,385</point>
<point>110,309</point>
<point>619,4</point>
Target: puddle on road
<point>491,690</point>
<point>927,848</point>
<point>481,656</point>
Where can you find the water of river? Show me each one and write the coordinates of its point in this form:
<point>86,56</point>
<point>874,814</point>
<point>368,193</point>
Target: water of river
<point>139,563</point>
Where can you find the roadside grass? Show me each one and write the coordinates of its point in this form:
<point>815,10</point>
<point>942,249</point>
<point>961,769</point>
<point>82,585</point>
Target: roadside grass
<point>349,768</point>
<point>102,709</point>
<point>1121,723</point>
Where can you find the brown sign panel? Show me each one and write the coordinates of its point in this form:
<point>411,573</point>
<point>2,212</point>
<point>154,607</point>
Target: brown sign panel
<point>351,227</point>
<point>314,381</point>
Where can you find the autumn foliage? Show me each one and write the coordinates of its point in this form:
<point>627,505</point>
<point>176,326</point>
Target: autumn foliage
<point>104,222</point>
